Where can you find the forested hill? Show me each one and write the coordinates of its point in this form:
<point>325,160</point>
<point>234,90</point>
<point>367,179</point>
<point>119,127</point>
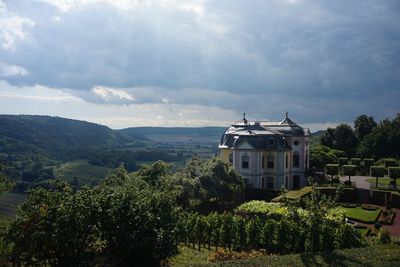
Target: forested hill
<point>145,131</point>
<point>56,135</point>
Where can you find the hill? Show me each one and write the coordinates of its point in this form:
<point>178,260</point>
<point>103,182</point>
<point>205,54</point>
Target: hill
<point>57,137</point>
<point>195,135</point>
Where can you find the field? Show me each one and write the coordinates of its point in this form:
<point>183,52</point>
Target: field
<point>362,215</point>
<point>9,203</point>
<point>84,172</point>
<point>379,255</point>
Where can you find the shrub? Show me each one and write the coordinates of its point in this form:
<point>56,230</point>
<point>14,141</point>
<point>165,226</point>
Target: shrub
<point>390,163</point>
<point>383,237</point>
<point>348,205</point>
<point>355,161</point>
<point>343,161</point>
<point>368,207</point>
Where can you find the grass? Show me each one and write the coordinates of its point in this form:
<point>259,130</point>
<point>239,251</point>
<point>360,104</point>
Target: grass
<point>382,180</point>
<point>83,171</point>
<point>295,194</point>
<point>9,202</point>
<point>379,255</point>
<point>362,215</point>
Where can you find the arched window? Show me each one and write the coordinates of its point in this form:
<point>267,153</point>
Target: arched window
<point>245,162</point>
<point>270,162</point>
<point>296,160</point>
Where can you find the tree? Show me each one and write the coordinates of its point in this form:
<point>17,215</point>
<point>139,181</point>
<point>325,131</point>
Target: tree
<point>394,173</point>
<point>349,170</point>
<point>345,139</point>
<point>332,169</point>
<point>378,171</point>
<point>363,125</point>
<point>121,221</point>
<point>343,161</point>
<point>328,138</point>
<point>383,141</point>
<point>321,155</point>
<point>221,182</point>
<point>367,163</point>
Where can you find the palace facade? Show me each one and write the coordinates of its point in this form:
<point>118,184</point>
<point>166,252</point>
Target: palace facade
<point>268,154</point>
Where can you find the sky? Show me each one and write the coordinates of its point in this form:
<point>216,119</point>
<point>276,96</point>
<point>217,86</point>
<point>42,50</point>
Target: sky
<point>125,63</point>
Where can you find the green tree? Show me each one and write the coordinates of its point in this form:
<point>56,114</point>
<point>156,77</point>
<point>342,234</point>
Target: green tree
<point>221,182</point>
<point>394,173</point>
<point>332,169</point>
<point>328,138</point>
<point>363,125</point>
<point>383,141</point>
<point>349,170</point>
<point>56,227</point>
<point>123,220</point>
<point>345,139</point>
<point>367,163</point>
<point>378,171</point>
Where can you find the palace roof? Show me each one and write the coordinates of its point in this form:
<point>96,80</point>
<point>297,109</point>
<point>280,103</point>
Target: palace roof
<point>262,134</point>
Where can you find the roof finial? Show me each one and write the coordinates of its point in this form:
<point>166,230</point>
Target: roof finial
<point>286,114</point>
<point>244,115</point>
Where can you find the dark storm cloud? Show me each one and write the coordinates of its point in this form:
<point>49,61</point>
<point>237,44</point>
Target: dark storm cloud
<point>322,60</point>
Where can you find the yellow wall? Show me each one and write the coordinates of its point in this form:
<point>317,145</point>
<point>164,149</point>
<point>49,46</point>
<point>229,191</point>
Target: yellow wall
<point>224,154</point>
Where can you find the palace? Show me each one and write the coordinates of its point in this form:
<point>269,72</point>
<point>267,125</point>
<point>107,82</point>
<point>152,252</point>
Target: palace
<point>268,154</point>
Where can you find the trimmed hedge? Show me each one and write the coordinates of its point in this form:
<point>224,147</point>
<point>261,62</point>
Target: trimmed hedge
<point>379,197</point>
<point>395,200</point>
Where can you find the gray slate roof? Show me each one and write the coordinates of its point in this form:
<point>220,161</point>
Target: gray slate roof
<point>269,135</point>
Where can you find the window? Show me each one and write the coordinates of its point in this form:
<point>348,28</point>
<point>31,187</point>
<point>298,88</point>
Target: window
<point>270,182</point>
<point>245,162</point>
<point>231,158</point>
<point>263,161</point>
<point>264,182</point>
<point>286,182</point>
<point>296,160</point>
<point>270,162</point>
<point>296,143</point>
<point>271,141</point>
<point>287,161</point>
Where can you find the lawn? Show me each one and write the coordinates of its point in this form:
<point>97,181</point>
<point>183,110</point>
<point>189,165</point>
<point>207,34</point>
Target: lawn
<point>379,255</point>
<point>295,194</point>
<point>382,180</point>
<point>362,215</point>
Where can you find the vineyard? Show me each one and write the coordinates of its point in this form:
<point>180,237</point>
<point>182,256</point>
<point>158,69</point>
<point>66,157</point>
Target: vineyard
<point>275,232</point>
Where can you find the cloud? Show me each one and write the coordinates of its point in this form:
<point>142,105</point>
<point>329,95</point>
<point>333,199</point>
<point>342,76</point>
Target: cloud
<point>111,93</point>
<point>322,61</point>
<point>12,70</point>
<point>12,28</point>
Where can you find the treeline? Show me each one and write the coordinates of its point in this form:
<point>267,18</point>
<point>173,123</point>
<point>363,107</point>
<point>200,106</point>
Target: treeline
<point>129,217</point>
<point>367,139</point>
<point>141,217</point>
